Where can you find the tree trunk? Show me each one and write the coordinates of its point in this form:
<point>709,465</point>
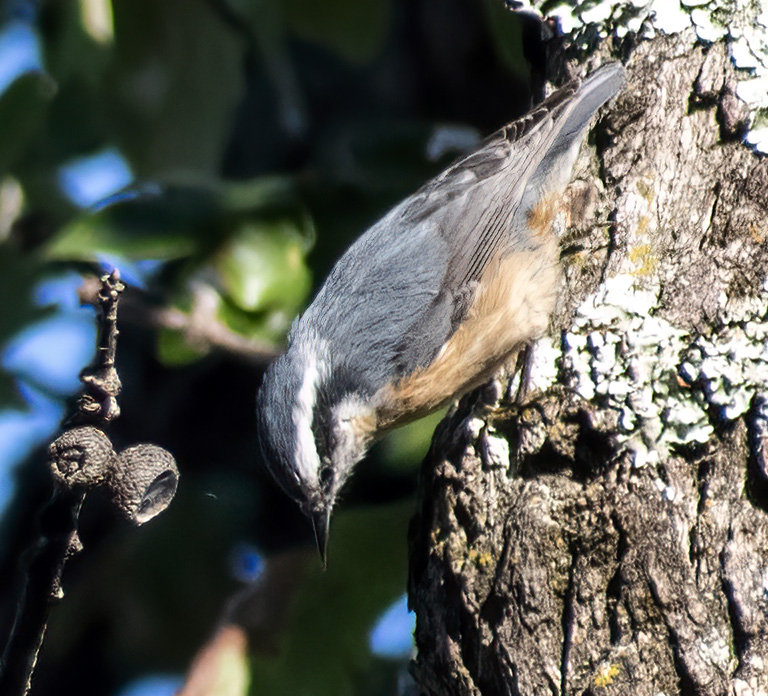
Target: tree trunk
<point>610,535</point>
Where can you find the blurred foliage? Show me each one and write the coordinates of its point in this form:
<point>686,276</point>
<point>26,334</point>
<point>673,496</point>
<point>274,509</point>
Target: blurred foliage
<point>179,75</point>
<point>263,136</point>
<point>247,241</point>
<point>22,108</point>
<point>325,634</point>
<point>355,30</point>
<point>17,271</point>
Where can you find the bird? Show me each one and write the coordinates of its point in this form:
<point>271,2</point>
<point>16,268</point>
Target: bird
<point>428,303</point>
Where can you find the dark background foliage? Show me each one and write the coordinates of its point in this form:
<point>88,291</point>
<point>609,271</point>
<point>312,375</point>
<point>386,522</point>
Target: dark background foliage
<point>253,139</point>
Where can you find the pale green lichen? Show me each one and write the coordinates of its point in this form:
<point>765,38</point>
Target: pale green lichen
<point>732,364</point>
<point>663,383</point>
<point>743,24</point>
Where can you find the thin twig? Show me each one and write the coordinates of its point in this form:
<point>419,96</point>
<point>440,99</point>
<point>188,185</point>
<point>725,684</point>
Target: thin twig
<point>42,583</point>
<point>102,383</point>
<point>58,520</point>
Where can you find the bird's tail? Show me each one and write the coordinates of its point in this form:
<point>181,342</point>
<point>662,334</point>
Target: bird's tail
<point>570,119</point>
<point>603,84</point>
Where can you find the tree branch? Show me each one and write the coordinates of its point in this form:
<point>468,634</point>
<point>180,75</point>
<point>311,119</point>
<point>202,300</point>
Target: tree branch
<point>142,481</point>
<point>609,536</point>
<point>201,327</point>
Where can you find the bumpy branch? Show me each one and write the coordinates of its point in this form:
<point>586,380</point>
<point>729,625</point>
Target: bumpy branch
<point>102,383</point>
<point>141,479</point>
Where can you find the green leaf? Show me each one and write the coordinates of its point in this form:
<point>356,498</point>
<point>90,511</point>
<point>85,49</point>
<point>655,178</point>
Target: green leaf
<point>403,449</point>
<point>174,349</point>
<point>176,81</point>
<point>172,221</point>
<point>22,108</point>
<point>168,225</point>
<point>86,238</point>
<point>269,327</point>
<point>263,267</point>
<point>18,274</point>
<point>266,192</point>
<point>9,394</point>
<point>505,30</point>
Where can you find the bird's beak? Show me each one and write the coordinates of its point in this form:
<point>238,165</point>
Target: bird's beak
<point>321,520</point>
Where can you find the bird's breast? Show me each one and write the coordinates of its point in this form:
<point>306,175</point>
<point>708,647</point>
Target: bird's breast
<point>511,305</point>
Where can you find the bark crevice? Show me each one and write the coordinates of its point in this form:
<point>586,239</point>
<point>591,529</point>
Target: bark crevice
<point>548,557</point>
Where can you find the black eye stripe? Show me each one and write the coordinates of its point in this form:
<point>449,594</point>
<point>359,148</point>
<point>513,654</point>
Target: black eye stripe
<point>331,391</point>
<point>321,431</point>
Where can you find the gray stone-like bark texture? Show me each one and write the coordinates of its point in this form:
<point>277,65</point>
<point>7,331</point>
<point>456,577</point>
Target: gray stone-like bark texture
<point>544,558</point>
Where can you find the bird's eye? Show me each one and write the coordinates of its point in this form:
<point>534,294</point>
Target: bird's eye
<point>326,476</point>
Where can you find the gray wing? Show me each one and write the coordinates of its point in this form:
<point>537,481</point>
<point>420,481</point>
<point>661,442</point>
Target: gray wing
<point>399,292</point>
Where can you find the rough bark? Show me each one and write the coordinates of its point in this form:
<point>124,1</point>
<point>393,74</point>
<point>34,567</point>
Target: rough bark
<point>546,557</point>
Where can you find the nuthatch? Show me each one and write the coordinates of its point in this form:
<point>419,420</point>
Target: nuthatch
<point>428,303</point>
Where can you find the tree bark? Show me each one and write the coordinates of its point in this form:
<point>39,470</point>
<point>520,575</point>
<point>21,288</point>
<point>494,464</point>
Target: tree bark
<point>618,544</point>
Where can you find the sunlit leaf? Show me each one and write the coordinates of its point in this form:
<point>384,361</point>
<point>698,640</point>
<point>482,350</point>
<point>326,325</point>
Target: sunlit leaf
<point>263,266</point>
<point>269,326</point>
<point>167,224</point>
<point>86,238</point>
<point>171,221</point>
<point>221,668</point>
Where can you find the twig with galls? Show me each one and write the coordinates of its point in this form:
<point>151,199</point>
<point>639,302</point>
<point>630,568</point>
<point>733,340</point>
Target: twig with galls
<point>141,481</point>
<point>102,383</point>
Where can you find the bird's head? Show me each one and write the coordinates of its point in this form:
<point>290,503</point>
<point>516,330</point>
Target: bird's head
<point>312,431</point>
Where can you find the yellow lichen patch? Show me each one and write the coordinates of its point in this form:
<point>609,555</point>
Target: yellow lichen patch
<point>480,558</point>
<point>502,412</point>
<point>642,256</point>
<point>642,225</point>
<point>575,260</point>
<point>645,189</point>
<point>757,234</point>
<point>437,538</point>
<point>605,674</point>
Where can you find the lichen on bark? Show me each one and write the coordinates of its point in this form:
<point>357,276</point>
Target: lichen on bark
<point>546,556</point>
